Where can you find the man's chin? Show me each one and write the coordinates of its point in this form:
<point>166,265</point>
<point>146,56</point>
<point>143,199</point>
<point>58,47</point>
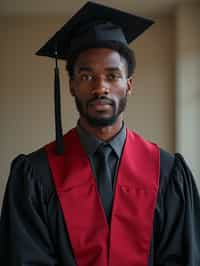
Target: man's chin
<point>101,122</point>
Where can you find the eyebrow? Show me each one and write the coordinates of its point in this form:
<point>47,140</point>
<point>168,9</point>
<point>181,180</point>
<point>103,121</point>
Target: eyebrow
<point>84,69</point>
<point>114,69</point>
<point>89,69</point>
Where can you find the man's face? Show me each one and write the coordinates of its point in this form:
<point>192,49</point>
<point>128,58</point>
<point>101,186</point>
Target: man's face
<point>100,86</point>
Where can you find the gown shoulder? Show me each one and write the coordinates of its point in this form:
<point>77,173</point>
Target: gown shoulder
<point>177,215</point>
<point>24,230</point>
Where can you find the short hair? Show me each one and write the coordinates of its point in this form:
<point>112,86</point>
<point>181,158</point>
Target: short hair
<point>122,49</point>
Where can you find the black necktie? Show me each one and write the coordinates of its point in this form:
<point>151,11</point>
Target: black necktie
<point>104,178</point>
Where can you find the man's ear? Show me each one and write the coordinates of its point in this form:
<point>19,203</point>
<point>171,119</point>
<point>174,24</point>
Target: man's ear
<point>130,81</point>
<point>71,87</point>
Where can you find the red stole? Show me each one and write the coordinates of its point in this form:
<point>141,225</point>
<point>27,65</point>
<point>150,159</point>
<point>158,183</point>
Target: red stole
<point>127,241</point>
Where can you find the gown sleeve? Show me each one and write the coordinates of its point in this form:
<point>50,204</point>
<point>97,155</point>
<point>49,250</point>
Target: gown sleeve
<point>178,219</point>
<point>24,235</point>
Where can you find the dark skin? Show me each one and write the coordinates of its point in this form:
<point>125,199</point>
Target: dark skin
<point>101,72</point>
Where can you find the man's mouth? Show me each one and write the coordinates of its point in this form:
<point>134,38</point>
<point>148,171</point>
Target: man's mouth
<point>100,104</point>
<point>100,101</point>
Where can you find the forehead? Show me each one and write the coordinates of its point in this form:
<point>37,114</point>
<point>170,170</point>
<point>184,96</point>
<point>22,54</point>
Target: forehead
<point>100,57</point>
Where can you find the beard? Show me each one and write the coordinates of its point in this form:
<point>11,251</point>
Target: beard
<point>101,122</point>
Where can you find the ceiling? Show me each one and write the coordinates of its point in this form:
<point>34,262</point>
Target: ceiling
<point>66,7</point>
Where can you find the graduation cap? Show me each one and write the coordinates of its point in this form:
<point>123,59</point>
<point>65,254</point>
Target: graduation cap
<point>94,24</point>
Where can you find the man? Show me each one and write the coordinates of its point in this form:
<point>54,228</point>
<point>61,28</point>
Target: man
<point>102,195</point>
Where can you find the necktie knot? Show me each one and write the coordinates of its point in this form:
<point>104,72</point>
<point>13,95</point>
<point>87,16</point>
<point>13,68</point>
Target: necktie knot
<point>104,151</point>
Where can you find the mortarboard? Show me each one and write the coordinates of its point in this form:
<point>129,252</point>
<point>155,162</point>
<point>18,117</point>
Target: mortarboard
<point>93,24</point>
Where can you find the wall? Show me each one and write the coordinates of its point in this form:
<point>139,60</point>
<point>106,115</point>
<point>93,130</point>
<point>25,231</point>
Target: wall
<point>26,103</point>
<point>188,85</point>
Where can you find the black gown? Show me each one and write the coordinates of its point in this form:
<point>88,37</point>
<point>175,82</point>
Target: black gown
<point>32,227</point>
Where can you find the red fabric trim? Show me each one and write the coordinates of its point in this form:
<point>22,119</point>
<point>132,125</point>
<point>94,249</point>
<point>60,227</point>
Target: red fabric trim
<point>127,242</point>
<point>134,203</point>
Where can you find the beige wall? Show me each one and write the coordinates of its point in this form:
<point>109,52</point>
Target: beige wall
<point>188,85</point>
<point>26,104</point>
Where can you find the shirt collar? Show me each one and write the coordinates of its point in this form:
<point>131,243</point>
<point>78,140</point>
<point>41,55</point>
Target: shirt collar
<point>91,143</point>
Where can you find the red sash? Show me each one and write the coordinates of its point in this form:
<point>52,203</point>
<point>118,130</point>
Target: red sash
<point>127,242</point>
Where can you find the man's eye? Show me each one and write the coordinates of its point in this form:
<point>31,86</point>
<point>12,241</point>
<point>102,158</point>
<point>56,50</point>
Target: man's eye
<point>85,77</point>
<point>113,76</point>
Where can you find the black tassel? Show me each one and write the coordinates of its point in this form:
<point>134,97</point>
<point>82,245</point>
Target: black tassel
<point>58,119</point>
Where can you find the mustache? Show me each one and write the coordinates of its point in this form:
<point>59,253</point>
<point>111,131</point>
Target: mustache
<point>104,100</point>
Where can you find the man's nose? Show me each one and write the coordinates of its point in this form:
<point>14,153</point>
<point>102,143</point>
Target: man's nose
<point>100,86</point>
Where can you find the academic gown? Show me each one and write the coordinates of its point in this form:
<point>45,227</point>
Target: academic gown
<point>33,231</point>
